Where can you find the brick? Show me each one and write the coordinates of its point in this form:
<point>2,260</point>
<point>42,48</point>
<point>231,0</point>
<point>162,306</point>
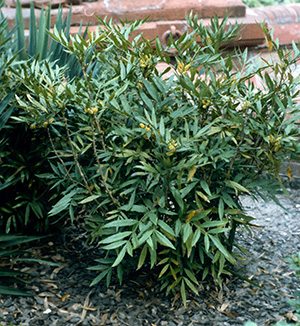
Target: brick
<point>280,14</point>
<point>286,34</point>
<point>46,3</point>
<point>10,13</point>
<point>158,9</point>
<point>234,8</point>
<point>166,16</point>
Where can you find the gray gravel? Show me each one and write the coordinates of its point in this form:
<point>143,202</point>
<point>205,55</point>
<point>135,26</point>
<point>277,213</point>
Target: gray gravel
<point>63,296</point>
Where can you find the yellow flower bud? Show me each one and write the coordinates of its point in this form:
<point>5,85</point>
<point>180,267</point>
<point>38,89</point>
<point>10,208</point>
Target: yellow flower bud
<point>246,105</point>
<point>45,124</point>
<point>171,147</point>
<point>182,68</point>
<point>89,111</point>
<point>277,147</point>
<point>142,125</point>
<point>208,39</point>
<point>271,139</point>
<point>144,60</point>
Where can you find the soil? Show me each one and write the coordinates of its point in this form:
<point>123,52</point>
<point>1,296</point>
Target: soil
<point>62,294</point>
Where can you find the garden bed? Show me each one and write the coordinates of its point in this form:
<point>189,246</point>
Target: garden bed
<point>62,295</point>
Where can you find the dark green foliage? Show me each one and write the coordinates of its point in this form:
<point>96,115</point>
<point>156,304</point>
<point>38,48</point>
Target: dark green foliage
<point>155,163</point>
<point>25,196</point>
<point>25,192</point>
<point>23,201</point>
<point>9,247</point>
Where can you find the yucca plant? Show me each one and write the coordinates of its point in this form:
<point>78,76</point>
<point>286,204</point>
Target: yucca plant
<point>37,44</point>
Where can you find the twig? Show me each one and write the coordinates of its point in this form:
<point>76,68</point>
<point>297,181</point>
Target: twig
<point>59,158</point>
<point>101,133</point>
<point>237,148</point>
<point>100,168</point>
<point>75,157</point>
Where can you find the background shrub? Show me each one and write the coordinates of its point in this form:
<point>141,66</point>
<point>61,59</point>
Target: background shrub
<point>156,163</point>
<point>26,194</point>
<point>261,3</point>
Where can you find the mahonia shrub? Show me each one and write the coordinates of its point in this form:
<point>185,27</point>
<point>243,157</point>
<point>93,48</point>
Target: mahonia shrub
<point>155,159</point>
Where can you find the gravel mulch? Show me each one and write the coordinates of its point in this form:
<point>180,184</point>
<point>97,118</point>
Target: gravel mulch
<point>62,295</point>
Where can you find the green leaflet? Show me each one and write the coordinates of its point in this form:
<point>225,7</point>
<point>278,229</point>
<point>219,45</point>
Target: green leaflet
<point>218,244</point>
<point>164,240</point>
<point>116,237</point>
<point>120,223</point>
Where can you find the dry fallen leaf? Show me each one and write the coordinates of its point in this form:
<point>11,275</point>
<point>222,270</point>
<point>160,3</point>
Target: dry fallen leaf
<point>291,316</point>
<point>89,309</point>
<point>56,270</point>
<point>84,310</point>
<point>65,297</point>
<point>223,307</point>
<point>177,296</point>
<point>196,303</point>
<point>58,258</point>
<point>211,306</point>
<point>113,316</point>
<point>220,296</point>
<point>15,313</point>
<point>104,318</point>
<point>46,306</point>
<point>141,294</point>
<point>230,314</point>
<point>46,294</point>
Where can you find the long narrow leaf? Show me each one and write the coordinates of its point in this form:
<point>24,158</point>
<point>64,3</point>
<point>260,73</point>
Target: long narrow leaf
<point>11,291</point>
<point>19,22</point>
<point>32,32</point>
